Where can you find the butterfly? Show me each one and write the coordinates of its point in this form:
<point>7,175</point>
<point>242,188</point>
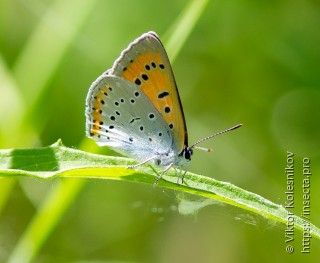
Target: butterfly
<point>135,108</point>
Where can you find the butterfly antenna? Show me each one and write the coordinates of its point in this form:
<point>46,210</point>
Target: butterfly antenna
<point>211,136</point>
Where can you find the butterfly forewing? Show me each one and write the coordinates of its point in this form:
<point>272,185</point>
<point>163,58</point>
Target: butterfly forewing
<point>121,116</point>
<point>146,64</point>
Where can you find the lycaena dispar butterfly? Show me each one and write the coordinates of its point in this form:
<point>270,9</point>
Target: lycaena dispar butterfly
<point>135,108</point>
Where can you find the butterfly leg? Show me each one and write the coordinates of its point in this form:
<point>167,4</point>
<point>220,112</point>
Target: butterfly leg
<point>182,177</point>
<point>143,162</point>
<point>163,172</point>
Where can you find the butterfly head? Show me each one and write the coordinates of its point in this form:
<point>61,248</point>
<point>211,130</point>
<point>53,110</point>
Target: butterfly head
<point>186,153</point>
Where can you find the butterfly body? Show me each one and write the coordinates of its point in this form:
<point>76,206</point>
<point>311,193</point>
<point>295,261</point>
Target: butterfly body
<point>135,107</point>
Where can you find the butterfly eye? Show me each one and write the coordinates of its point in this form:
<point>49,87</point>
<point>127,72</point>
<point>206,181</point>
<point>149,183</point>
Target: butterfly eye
<point>187,153</point>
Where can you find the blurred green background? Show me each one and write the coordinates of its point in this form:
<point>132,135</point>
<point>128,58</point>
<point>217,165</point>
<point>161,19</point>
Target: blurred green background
<point>250,62</point>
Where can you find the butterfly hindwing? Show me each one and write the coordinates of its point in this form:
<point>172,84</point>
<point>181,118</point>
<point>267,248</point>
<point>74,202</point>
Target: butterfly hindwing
<point>121,116</point>
<point>145,64</point>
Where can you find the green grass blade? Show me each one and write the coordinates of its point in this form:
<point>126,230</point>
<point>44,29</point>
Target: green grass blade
<point>180,30</point>
<point>9,98</point>
<point>60,161</point>
<point>48,215</point>
<point>48,44</point>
